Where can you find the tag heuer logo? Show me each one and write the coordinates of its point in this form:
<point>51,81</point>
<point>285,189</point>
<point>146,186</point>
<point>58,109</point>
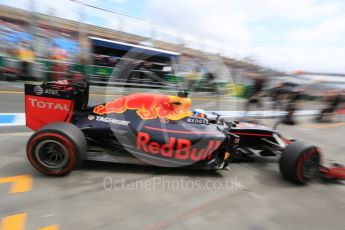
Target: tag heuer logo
<point>91,117</point>
<point>38,90</point>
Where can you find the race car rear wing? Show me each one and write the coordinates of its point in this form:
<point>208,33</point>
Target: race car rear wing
<point>53,102</point>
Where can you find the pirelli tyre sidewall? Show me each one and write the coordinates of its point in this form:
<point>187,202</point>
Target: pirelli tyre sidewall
<point>299,162</point>
<point>64,138</point>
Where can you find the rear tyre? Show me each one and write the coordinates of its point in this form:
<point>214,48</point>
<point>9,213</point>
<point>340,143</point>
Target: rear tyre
<point>299,162</point>
<point>56,149</point>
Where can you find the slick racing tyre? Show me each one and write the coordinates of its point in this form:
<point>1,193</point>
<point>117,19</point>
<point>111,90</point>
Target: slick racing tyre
<point>299,162</point>
<point>56,149</point>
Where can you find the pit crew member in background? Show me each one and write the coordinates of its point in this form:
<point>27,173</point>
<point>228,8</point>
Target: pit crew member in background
<point>256,91</point>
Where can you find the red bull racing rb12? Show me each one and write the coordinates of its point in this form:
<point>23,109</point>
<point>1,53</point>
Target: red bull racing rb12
<point>146,128</point>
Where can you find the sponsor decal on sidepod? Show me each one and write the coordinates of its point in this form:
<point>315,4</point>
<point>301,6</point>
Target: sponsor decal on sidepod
<point>177,148</point>
<point>149,106</point>
<point>111,120</point>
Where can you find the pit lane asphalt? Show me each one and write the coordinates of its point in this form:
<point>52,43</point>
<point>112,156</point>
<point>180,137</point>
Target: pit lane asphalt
<point>250,196</point>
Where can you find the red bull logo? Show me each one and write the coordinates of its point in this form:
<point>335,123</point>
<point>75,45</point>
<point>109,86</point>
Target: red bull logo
<point>177,148</point>
<point>149,106</point>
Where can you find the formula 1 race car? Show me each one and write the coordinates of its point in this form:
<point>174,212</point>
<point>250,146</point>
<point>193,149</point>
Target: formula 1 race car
<point>147,128</point>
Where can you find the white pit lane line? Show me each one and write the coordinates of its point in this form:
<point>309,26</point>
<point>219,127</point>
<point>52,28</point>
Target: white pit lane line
<point>16,134</point>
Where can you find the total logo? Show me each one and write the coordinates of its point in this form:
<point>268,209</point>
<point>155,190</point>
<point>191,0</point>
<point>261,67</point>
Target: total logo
<point>177,148</point>
<point>110,120</point>
<point>47,105</point>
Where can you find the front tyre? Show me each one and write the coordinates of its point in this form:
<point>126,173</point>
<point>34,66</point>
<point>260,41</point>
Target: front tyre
<point>56,149</point>
<point>299,162</point>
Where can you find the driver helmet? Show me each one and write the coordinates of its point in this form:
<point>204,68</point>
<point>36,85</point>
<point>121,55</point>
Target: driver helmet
<point>199,113</point>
